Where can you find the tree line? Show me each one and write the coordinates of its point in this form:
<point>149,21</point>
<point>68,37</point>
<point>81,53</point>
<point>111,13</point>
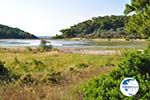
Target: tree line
<point>100,27</point>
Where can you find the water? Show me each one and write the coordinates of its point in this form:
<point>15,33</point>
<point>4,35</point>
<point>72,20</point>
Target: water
<point>35,43</point>
<point>71,44</point>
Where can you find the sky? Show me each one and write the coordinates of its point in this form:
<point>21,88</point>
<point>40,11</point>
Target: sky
<point>47,17</point>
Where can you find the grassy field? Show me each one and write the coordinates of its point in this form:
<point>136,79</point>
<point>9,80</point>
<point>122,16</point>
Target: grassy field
<point>49,75</point>
<point>29,74</point>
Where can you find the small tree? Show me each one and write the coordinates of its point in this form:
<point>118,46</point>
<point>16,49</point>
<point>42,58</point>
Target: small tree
<point>43,45</point>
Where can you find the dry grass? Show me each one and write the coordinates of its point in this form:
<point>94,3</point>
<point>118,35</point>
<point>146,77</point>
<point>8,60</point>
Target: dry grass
<point>66,90</point>
<point>75,70</point>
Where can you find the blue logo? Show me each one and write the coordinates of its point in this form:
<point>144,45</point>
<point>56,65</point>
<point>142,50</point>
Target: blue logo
<point>129,86</point>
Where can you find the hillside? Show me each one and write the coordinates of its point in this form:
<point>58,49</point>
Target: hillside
<point>7,32</point>
<point>99,27</point>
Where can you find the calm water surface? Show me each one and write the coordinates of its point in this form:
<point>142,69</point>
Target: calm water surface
<point>71,44</point>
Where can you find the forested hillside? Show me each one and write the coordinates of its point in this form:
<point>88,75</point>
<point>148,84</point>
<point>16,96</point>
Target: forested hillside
<point>99,27</point>
<point>7,32</point>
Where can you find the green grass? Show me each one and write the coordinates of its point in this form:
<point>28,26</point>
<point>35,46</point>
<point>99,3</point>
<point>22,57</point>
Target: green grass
<point>50,74</point>
<point>58,61</point>
<point>118,44</point>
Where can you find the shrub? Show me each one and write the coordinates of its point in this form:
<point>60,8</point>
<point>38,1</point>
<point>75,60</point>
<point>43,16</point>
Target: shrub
<point>47,78</point>
<point>52,78</point>
<point>134,64</point>
<point>5,74</point>
<point>44,47</point>
<point>27,79</point>
<point>38,65</point>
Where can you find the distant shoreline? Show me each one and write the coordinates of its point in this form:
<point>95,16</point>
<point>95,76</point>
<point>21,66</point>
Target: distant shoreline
<point>102,39</point>
<point>93,39</point>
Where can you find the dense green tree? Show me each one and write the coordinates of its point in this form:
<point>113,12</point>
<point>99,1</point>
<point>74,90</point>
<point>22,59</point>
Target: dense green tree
<point>97,27</point>
<point>135,26</point>
<point>7,32</point>
<point>136,6</point>
<point>140,21</point>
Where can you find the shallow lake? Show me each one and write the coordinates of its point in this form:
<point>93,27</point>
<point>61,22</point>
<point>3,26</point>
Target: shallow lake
<point>87,44</point>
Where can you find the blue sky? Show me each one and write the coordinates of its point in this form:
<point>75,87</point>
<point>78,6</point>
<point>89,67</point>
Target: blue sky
<point>47,17</point>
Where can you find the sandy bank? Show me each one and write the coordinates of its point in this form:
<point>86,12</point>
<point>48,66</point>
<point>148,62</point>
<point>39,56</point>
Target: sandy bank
<point>96,52</point>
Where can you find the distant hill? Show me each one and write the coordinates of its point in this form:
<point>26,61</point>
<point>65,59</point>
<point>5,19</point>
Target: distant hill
<point>7,32</point>
<point>99,27</point>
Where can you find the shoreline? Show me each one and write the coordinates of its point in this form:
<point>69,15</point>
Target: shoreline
<point>97,50</point>
<point>101,39</point>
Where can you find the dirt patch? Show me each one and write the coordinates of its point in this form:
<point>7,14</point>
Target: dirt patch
<point>96,52</point>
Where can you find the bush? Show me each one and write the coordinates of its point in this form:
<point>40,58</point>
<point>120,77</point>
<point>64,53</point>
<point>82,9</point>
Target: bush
<point>44,47</point>
<point>134,64</point>
<point>27,79</point>
<point>5,75</point>
<point>53,78</point>
<point>48,78</point>
<point>38,65</point>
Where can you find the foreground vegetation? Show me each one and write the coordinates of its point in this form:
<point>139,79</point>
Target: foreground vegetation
<point>48,75</point>
<point>134,64</point>
<point>55,75</point>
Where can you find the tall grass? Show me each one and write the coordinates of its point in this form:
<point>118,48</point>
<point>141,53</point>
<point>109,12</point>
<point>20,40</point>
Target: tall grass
<point>58,61</point>
<point>49,74</point>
